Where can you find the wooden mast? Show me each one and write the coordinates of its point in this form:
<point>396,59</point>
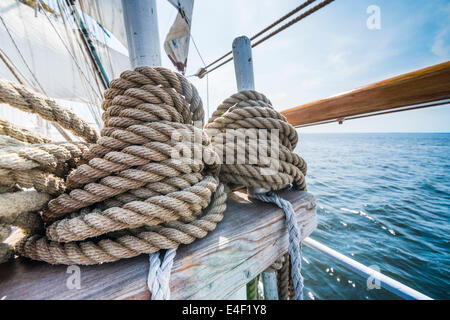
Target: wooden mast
<point>245,80</point>
<point>141,24</point>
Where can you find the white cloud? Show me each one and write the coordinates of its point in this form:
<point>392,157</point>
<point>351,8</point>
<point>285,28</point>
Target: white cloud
<point>441,45</point>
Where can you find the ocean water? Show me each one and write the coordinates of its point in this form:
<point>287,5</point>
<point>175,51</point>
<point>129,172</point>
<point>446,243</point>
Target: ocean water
<point>384,200</point>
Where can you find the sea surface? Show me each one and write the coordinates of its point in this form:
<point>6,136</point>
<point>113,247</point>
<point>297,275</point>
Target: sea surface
<point>383,199</point>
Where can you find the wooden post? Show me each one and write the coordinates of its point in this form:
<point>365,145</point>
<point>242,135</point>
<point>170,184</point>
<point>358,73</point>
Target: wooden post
<point>243,70</point>
<point>269,280</point>
<point>243,63</point>
<point>141,24</point>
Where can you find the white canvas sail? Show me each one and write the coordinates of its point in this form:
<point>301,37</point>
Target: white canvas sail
<point>109,14</point>
<point>49,56</point>
<point>177,41</point>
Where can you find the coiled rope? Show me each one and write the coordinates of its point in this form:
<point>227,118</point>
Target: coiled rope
<point>42,166</point>
<point>131,195</point>
<point>252,110</point>
<point>141,198</point>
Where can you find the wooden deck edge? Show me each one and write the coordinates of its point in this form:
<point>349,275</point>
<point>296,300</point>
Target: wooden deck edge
<point>249,239</point>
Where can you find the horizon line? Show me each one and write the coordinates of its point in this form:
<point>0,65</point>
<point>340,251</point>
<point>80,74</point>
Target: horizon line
<point>340,132</point>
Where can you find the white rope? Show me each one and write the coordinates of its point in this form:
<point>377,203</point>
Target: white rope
<point>158,280</point>
<point>294,238</point>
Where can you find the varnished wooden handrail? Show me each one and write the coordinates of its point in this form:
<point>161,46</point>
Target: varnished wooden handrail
<point>417,87</point>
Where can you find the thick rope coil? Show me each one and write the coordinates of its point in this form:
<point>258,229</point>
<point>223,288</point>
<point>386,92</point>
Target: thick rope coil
<point>249,118</point>
<point>5,231</point>
<point>25,99</point>
<point>133,197</point>
<point>126,243</point>
<point>57,158</point>
<point>40,180</point>
<point>29,222</point>
<point>21,134</point>
<point>6,252</point>
<point>283,277</point>
<point>252,110</point>
<point>146,200</point>
<point>15,203</point>
<point>18,209</point>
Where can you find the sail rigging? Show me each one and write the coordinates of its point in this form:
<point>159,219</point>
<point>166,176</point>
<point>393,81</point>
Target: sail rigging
<point>43,41</point>
<point>45,45</point>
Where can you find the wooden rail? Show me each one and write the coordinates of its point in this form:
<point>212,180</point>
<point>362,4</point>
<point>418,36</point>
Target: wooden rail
<point>250,238</point>
<point>417,87</point>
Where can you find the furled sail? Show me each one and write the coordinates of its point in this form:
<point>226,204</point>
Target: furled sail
<point>109,14</point>
<point>49,56</point>
<point>176,44</point>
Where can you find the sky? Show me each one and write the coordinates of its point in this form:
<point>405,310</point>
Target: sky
<point>329,52</point>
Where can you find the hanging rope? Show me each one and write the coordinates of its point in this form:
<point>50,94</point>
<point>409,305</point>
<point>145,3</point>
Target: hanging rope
<point>40,166</point>
<point>15,203</point>
<point>294,239</point>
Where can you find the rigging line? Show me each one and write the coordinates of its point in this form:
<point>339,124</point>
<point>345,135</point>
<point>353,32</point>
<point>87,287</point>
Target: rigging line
<point>73,58</point>
<point>293,21</point>
<point>95,27</point>
<point>87,41</point>
<point>342,119</point>
<point>21,80</point>
<point>207,77</point>
<point>92,106</point>
<point>285,26</point>
<point>71,37</point>
<point>83,52</point>
<point>289,14</point>
<point>14,70</point>
<point>21,56</point>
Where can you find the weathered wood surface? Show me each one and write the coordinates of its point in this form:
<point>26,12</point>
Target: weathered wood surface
<point>251,237</point>
<point>421,86</point>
